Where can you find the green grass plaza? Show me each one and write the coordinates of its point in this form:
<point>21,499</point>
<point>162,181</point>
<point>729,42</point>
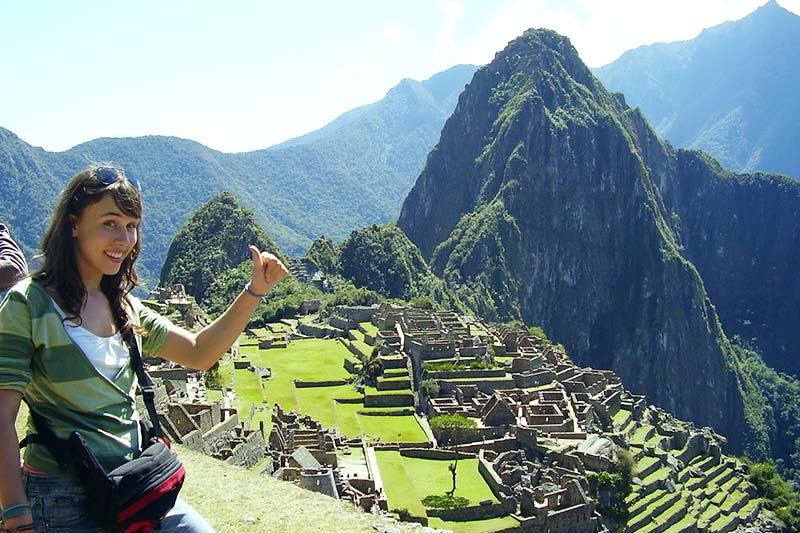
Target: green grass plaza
<point>406,480</point>
<point>314,360</point>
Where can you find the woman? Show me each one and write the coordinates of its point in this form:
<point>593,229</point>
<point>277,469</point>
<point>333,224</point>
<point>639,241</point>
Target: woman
<point>61,346</point>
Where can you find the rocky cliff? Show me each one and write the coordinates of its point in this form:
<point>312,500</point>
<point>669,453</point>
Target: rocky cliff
<point>549,199</point>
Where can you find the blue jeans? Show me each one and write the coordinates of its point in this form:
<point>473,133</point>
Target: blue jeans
<point>59,506</point>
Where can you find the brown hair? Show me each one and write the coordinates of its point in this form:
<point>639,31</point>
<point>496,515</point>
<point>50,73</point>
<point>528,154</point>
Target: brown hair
<point>59,271</point>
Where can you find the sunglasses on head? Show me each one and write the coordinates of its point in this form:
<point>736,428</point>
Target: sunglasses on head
<point>110,175</point>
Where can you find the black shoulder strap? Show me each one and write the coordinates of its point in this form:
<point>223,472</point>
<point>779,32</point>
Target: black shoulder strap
<point>60,449</point>
<point>145,383</point>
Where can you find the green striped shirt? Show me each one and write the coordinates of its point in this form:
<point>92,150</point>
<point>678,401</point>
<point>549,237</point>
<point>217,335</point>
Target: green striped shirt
<point>39,359</point>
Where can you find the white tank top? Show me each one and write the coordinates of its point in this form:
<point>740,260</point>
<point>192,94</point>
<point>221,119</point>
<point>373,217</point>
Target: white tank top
<point>107,354</point>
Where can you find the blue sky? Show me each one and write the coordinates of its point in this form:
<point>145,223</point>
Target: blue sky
<point>243,75</point>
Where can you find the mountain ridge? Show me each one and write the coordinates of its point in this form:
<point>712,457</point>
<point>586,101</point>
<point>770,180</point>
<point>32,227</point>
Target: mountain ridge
<point>719,92</point>
<point>328,186</point>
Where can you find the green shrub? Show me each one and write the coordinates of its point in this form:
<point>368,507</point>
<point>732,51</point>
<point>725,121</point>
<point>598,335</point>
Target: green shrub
<point>429,387</point>
<point>448,422</point>
<point>777,494</point>
<point>212,378</point>
<point>403,514</point>
<point>537,331</point>
<point>445,501</point>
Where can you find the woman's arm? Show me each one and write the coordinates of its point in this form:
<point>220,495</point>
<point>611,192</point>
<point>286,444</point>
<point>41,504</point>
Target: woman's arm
<point>202,349</point>
<point>12,492</point>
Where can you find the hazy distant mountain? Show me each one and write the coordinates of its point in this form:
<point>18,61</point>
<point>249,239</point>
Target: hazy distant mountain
<point>353,172</point>
<point>731,92</point>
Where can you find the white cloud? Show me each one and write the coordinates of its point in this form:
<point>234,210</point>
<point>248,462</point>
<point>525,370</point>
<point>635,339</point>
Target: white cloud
<point>359,69</point>
<point>446,49</point>
<point>600,31</point>
<point>395,33</point>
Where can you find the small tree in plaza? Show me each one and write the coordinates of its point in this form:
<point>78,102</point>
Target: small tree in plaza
<point>447,429</point>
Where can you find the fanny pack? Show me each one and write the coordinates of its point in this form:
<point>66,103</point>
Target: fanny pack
<point>135,496</point>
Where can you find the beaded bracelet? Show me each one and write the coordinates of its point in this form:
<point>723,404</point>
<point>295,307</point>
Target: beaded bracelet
<point>251,293</point>
<point>16,510</point>
<point>22,527</point>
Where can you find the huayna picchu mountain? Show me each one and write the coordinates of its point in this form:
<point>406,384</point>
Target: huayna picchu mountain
<point>548,199</point>
<point>214,239</point>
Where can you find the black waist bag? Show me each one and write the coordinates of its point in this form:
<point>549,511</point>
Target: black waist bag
<point>135,496</point>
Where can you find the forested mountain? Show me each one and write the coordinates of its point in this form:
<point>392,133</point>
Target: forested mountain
<point>548,199</point>
<point>215,239</point>
<point>731,92</point>
<point>382,259</point>
<point>352,173</point>
<point>28,188</point>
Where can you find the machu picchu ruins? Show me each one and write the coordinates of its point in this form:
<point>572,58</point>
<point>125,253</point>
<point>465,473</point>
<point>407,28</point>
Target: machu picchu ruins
<point>544,439</point>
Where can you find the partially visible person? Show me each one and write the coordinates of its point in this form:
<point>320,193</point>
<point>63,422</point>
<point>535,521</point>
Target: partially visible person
<point>13,266</point>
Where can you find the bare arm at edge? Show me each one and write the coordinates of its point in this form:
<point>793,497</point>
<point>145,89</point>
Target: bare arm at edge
<point>11,490</point>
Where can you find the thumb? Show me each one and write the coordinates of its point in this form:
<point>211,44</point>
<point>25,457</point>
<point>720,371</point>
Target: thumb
<point>256,256</point>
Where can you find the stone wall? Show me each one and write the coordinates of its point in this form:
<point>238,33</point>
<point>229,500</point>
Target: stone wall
<point>393,412</point>
<point>486,386</point>
<point>490,477</point>
<point>355,313</point>
<point>595,462</point>
<point>350,366</point>
<point>354,350</point>
<point>250,451</point>
<point>321,482</point>
<point>217,438</point>
<point>534,378</point>
<point>528,437</point>
<point>498,445</point>
<point>388,400</point>
<point>696,445</point>
<point>342,323</point>
<point>435,454</point>
<point>467,373</point>
<point>319,332</point>
<point>472,351</point>
<point>310,384</point>
<point>393,384</point>
<point>477,434</point>
<point>472,512</point>
<point>181,420</point>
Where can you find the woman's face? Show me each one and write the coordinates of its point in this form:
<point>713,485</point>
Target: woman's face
<point>103,237</point>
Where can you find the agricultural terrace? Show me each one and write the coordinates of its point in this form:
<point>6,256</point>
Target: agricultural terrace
<point>407,480</point>
<point>316,360</point>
